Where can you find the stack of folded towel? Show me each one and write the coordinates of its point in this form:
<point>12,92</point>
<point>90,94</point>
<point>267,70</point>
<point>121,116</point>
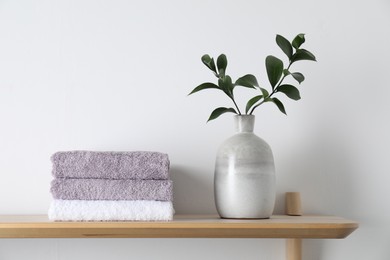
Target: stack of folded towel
<point>103,186</point>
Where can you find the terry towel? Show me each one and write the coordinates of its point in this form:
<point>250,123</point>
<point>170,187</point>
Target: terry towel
<point>103,189</point>
<point>105,210</point>
<point>111,165</point>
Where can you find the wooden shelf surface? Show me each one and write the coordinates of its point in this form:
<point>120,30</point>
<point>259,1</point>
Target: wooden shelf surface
<point>183,226</point>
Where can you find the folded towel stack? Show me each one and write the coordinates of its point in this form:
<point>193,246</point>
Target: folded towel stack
<point>102,186</point>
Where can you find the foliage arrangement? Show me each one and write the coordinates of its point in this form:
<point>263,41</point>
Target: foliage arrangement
<point>276,72</point>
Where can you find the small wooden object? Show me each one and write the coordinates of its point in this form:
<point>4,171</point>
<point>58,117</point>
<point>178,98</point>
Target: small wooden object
<point>294,208</point>
<point>293,204</point>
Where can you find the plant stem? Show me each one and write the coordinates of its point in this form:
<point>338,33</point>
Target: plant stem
<point>273,91</point>
<point>230,96</point>
<point>250,113</point>
<point>239,112</point>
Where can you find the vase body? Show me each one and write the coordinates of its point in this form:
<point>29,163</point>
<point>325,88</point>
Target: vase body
<point>244,178</point>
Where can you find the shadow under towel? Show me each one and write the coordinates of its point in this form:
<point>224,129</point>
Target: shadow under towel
<point>100,189</point>
<point>104,210</point>
<point>111,165</point>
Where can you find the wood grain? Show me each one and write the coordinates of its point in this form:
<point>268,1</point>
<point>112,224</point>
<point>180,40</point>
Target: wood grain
<point>183,226</point>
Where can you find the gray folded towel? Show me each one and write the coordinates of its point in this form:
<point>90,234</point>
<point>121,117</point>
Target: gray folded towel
<point>111,165</point>
<point>100,189</point>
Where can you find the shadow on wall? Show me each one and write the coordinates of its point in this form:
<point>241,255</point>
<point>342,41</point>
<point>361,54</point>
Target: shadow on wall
<point>331,173</point>
<point>191,193</point>
<point>323,171</point>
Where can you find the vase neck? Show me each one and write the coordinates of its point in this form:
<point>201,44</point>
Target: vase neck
<point>244,123</point>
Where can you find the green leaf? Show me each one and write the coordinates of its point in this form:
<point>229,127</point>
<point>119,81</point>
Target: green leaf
<point>204,86</point>
<point>248,81</point>
<point>303,54</point>
<point>285,45</point>
<point>206,59</point>
<point>279,105</point>
<point>286,72</point>
<point>298,40</point>
<point>209,62</point>
<point>298,77</point>
<point>251,102</point>
<point>265,92</point>
<point>222,64</point>
<point>290,91</point>
<point>274,69</point>
<point>226,85</point>
<point>219,111</point>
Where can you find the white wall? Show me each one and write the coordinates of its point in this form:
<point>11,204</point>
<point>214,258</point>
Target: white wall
<point>114,75</point>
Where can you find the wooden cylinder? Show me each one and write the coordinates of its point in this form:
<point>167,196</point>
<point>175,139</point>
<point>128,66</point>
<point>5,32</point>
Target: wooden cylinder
<point>294,249</point>
<point>293,204</point>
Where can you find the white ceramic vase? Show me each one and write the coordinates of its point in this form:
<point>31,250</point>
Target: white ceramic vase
<point>244,180</point>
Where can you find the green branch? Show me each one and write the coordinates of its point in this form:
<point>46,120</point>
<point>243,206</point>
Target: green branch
<point>273,91</point>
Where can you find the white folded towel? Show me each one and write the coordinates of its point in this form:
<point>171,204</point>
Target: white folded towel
<point>108,210</point>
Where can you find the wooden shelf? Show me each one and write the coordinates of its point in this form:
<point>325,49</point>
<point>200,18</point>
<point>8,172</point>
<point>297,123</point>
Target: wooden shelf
<point>183,226</point>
